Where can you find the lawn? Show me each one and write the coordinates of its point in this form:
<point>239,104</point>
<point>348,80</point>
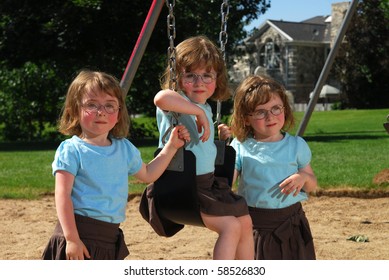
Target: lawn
<point>349,148</point>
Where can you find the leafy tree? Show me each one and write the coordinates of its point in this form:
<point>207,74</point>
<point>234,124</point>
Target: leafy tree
<point>43,43</point>
<point>363,60</point>
<point>33,101</point>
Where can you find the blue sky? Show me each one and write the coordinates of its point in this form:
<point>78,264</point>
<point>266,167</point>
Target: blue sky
<point>294,10</point>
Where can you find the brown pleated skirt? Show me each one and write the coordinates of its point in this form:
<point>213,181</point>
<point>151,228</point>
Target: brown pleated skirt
<point>217,198</point>
<point>282,234</point>
<point>104,241</point>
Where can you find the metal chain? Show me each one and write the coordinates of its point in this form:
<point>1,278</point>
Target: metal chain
<point>223,38</point>
<point>171,51</point>
<point>223,35</point>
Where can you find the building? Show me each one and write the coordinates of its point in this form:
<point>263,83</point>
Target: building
<point>293,53</point>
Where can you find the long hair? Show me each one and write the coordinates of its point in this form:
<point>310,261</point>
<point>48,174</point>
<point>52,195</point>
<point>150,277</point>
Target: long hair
<point>196,52</point>
<point>92,81</point>
<point>254,91</point>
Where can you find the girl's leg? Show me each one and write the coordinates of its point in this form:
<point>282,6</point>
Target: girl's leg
<point>245,249</point>
<point>229,230</point>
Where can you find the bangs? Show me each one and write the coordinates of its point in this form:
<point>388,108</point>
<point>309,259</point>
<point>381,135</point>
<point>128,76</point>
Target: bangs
<point>193,62</point>
<point>100,86</point>
<point>257,96</point>
<point>198,53</point>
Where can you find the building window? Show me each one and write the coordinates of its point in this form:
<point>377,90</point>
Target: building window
<point>269,55</point>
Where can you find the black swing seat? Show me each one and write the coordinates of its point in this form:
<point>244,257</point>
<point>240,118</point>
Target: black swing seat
<point>175,192</point>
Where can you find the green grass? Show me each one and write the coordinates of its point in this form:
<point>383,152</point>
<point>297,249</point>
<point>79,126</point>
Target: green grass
<point>25,174</point>
<point>349,148</point>
<point>345,123</point>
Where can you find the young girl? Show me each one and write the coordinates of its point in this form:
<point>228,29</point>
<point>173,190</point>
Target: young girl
<point>92,167</point>
<point>201,74</point>
<point>273,168</point>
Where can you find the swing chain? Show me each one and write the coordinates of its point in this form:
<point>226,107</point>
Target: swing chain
<point>171,51</point>
<point>223,38</point>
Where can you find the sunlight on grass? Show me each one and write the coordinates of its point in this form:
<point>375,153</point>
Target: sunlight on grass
<point>26,174</point>
<point>348,163</point>
<point>348,149</point>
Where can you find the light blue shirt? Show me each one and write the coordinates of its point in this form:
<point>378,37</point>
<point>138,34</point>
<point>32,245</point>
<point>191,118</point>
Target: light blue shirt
<point>205,152</point>
<point>100,187</point>
<point>264,165</point>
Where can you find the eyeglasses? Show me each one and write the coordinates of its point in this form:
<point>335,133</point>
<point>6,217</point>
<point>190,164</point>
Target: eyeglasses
<point>93,107</point>
<point>262,113</point>
<point>191,78</point>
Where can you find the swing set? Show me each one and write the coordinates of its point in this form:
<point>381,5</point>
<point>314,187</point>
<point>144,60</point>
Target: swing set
<point>174,194</point>
<point>173,197</point>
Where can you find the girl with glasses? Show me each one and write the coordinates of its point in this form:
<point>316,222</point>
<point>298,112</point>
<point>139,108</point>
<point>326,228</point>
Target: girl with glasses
<point>272,168</point>
<point>91,170</point>
<point>202,75</point>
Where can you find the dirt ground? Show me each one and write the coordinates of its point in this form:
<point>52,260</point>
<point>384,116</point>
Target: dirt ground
<point>26,226</point>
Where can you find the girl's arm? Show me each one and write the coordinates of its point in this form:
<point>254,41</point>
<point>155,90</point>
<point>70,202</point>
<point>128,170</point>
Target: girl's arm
<point>153,170</point>
<point>310,184</point>
<point>224,132</point>
<point>75,248</point>
<point>235,177</point>
<point>303,179</point>
<point>169,100</point>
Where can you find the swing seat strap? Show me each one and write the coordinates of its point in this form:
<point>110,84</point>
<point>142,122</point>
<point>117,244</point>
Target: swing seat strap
<point>177,162</point>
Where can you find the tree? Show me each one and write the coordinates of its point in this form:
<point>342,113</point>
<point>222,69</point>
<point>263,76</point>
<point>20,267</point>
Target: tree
<point>64,36</point>
<point>363,60</point>
<point>33,101</point>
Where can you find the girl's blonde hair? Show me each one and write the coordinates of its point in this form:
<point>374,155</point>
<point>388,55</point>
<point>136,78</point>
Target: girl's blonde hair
<point>196,52</point>
<point>254,91</point>
<point>98,82</point>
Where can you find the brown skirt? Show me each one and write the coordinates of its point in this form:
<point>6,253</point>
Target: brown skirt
<point>104,241</point>
<point>282,234</point>
<point>216,197</point>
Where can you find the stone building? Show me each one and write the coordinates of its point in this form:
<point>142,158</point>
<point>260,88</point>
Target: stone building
<point>293,53</point>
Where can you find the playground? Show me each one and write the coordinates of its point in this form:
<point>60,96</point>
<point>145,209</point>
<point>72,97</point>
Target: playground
<point>334,217</point>
<point>346,225</point>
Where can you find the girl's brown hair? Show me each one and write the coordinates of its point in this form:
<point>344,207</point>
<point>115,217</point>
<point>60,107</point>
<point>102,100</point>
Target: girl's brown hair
<point>254,91</point>
<point>98,82</point>
<point>196,52</point>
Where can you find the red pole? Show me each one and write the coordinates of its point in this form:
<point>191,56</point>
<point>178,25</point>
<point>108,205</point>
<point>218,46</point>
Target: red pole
<point>141,44</point>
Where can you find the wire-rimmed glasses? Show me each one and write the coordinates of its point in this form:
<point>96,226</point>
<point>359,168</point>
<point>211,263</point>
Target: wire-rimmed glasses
<point>94,107</point>
<point>189,77</point>
<point>262,113</point>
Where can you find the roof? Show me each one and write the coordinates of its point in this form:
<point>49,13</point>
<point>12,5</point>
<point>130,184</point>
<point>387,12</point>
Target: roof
<point>310,30</point>
<point>317,20</point>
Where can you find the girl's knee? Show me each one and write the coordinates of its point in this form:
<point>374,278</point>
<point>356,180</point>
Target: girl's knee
<point>229,224</point>
<point>237,224</point>
<point>246,223</point>
<point>241,224</point>
<point>232,226</point>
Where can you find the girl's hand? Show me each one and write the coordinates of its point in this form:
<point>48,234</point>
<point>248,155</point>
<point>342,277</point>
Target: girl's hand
<point>292,184</point>
<point>224,132</point>
<point>179,136</point>
<point>76,250</point>
<point>303,178</point>
<point>203,125</point>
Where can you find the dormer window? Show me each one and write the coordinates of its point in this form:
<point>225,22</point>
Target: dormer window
<point>269,55</point>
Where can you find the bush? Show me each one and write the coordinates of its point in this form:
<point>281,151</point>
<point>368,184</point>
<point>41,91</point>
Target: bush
<point>143,128</point>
